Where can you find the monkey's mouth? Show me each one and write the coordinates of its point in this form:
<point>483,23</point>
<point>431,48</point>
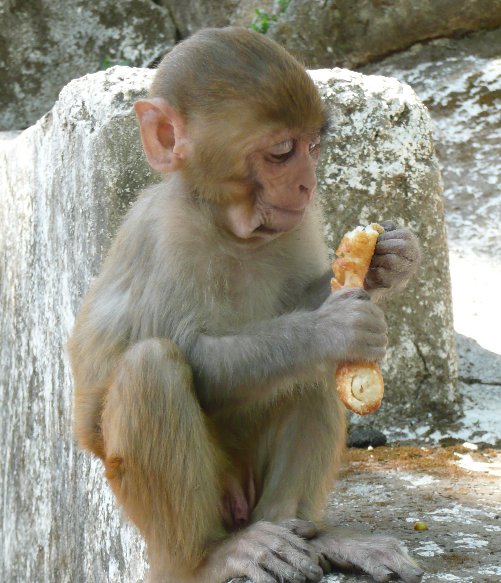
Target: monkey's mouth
<point>278,220</point>
<point>264,230</point>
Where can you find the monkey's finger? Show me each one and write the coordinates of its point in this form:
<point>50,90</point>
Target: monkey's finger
<point>303,528</point>
<point>391,261</point>
<point>258,575</point>
<point>280,539</point>
<point>284,570</point>
<point>324,563</point>
<point>381,574</point>
<point>351,293</point>
<point>375,278</point>
<point>408,571</point>
<point>402,247</point>
<point>369,318</point>
<point>373,354</point>
<point>299,545</point>
<point>307,567</point>
<point>375,339</point>
<point>335,560</point>
<point>388,226</point>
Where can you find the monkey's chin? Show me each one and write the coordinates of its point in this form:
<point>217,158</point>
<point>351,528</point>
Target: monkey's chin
<point>260,236</point>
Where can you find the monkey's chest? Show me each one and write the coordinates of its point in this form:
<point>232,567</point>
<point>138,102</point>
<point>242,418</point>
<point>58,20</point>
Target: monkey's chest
<point>239,299</point>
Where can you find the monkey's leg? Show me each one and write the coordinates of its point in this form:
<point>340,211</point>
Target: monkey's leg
<point>169,475</point>
<point>160,460</point>
<point>299,455</point>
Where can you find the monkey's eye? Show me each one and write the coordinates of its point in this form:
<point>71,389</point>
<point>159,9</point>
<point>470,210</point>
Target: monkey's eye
<point>282,152</point>
<point>314,147</point>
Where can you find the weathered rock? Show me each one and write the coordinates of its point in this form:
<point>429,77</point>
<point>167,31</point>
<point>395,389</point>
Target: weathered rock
<point>65,183</point>
<point>59,522</point>
<point>44,44</point>
<point>349,33</point>
<point>192,15</point>
<point>366,437</point>
<point>460,82</point>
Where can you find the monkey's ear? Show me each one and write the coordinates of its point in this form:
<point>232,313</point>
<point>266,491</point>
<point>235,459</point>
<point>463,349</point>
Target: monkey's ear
<point>163,133</point>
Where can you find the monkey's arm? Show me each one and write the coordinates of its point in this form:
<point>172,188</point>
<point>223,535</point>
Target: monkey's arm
<point>241,367</point>
<point>395,260</point>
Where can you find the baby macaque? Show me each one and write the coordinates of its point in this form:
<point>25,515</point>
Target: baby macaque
<point>204,352</point>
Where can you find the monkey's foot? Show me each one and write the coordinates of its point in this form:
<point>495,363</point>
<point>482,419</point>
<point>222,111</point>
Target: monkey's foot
<point>382,557</point>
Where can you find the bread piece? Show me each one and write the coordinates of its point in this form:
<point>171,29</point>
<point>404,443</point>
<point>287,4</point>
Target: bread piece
<point>354,254</point>
<point>359,384</point>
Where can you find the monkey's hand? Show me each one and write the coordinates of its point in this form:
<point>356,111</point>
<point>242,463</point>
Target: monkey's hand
<point>382,557</point>
<point>350,327</point>
<point>395,260</point>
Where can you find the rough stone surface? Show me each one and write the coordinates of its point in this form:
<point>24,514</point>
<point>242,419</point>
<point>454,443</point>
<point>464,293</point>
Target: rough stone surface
<point>65,183</point>
<point>192,15</point>
<point>379,164</point>
<point>349,33</point>
<point>460,82</point>
<point>480,386</point>
<point>44,44</point>
<point>366,437</point>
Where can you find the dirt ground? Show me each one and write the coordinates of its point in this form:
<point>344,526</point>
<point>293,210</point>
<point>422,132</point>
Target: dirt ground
<point>390,488</point>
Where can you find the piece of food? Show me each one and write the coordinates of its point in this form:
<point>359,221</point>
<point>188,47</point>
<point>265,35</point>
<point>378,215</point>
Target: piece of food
<point>359,384</point>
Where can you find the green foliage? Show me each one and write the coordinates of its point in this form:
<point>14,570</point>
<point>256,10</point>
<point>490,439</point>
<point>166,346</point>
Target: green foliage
<point>262,21</point>
<point>282,5</point>
<point>108,62</point>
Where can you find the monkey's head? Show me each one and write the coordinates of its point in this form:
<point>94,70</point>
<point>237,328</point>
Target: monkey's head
<point>241,120</point>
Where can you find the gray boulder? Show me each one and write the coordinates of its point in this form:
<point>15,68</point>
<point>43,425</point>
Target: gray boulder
<point>65,183</point>
<point>192,15</point>
<point>349,33</point>
<point>459,80</point>
<point>44,44</point>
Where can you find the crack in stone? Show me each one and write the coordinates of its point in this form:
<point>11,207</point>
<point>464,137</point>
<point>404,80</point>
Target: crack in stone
<point>475,381</point>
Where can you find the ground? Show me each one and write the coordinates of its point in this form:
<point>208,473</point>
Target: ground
<point>391,488</point>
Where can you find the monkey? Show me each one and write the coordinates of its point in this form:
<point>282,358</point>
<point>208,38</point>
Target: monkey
<point>204,353</point>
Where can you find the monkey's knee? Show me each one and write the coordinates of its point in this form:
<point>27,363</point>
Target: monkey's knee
<point>149,359</point>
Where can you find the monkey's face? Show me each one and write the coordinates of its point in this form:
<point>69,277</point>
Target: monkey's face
<point>258,183</point>
<point>281,186</point>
